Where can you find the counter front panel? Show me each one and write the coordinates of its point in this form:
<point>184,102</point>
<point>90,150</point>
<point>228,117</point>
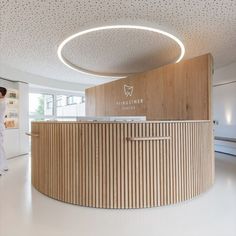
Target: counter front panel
<point>122,165</point>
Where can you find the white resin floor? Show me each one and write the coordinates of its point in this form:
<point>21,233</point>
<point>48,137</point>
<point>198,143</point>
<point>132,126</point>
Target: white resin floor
<point>24,211</point>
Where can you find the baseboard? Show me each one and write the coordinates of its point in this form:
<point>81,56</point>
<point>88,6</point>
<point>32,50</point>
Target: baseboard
<point>225,149</point>
<point>9,158</point>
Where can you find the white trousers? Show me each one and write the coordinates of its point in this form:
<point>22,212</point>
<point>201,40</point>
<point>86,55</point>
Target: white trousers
<point>3,161</point>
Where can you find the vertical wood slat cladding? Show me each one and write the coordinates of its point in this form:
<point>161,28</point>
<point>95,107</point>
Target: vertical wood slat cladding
<point>179,91</point>
<point>94,164</point>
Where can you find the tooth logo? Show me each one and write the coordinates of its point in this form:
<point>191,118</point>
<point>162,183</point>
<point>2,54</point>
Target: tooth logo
<point>128,90</point>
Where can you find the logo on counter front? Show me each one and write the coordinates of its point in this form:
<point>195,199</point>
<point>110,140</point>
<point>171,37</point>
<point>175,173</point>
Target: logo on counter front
<point>128,90</point>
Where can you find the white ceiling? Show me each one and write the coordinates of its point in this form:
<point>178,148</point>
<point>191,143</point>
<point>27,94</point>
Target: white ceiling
<point>31,31</point>
<point>121,51</point>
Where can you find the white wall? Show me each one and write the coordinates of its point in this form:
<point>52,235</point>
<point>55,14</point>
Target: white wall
<point>224,107</point>
<point>16,142</point>
<point>225,74</point>
<point>18,75</point>
<point>23,117</point>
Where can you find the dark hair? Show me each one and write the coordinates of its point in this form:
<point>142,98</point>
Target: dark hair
<point>3,91</point>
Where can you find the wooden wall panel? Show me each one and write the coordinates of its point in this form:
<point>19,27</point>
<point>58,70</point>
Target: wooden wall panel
<point>174,92</point>
<point>122,165</point>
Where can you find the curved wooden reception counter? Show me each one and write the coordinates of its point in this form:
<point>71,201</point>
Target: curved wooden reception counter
<point>122,164</point>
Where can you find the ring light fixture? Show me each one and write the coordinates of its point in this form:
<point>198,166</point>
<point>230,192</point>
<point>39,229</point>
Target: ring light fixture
<point>114,75</point>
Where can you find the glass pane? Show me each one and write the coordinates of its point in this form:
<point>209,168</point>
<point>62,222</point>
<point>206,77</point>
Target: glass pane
<point>48,105</point>
<point>70,106</point>
<point>66,119</point>
<point>40,105</point>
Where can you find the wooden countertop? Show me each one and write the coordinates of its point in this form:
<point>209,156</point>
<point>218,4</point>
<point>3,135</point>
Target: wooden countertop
<point>102,122</point>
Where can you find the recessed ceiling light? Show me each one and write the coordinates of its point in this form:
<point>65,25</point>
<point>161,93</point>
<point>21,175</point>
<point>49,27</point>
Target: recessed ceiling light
<point>84,71</point>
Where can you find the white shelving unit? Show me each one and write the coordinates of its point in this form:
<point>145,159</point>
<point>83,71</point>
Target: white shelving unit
<point>16,142</point>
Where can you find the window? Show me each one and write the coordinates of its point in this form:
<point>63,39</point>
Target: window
<point>61,100</point>
<point>70,106</point>
<point>70,100</point>
<point>73,100</point>
<point>55,107</point>
<point>49,105</point>
<point>40,105</point>
<point>48,108</point>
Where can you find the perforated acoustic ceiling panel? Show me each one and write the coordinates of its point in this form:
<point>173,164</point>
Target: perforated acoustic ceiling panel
<point>121,51</point>
<point>31,31</point>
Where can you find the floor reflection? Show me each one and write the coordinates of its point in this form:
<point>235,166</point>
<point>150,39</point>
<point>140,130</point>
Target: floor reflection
<point>25,211</point>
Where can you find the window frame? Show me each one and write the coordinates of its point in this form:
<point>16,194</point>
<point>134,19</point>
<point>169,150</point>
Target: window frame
<point>54,94</point>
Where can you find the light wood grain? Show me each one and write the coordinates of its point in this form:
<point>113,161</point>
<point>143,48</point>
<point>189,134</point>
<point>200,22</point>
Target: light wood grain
<point>179,91</point>
<point>93,164</point>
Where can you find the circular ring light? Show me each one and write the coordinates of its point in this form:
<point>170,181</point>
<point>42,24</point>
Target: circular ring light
<point>115,75</point>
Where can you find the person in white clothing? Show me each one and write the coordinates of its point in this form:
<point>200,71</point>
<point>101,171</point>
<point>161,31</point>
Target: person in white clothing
<point>3,161</point>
